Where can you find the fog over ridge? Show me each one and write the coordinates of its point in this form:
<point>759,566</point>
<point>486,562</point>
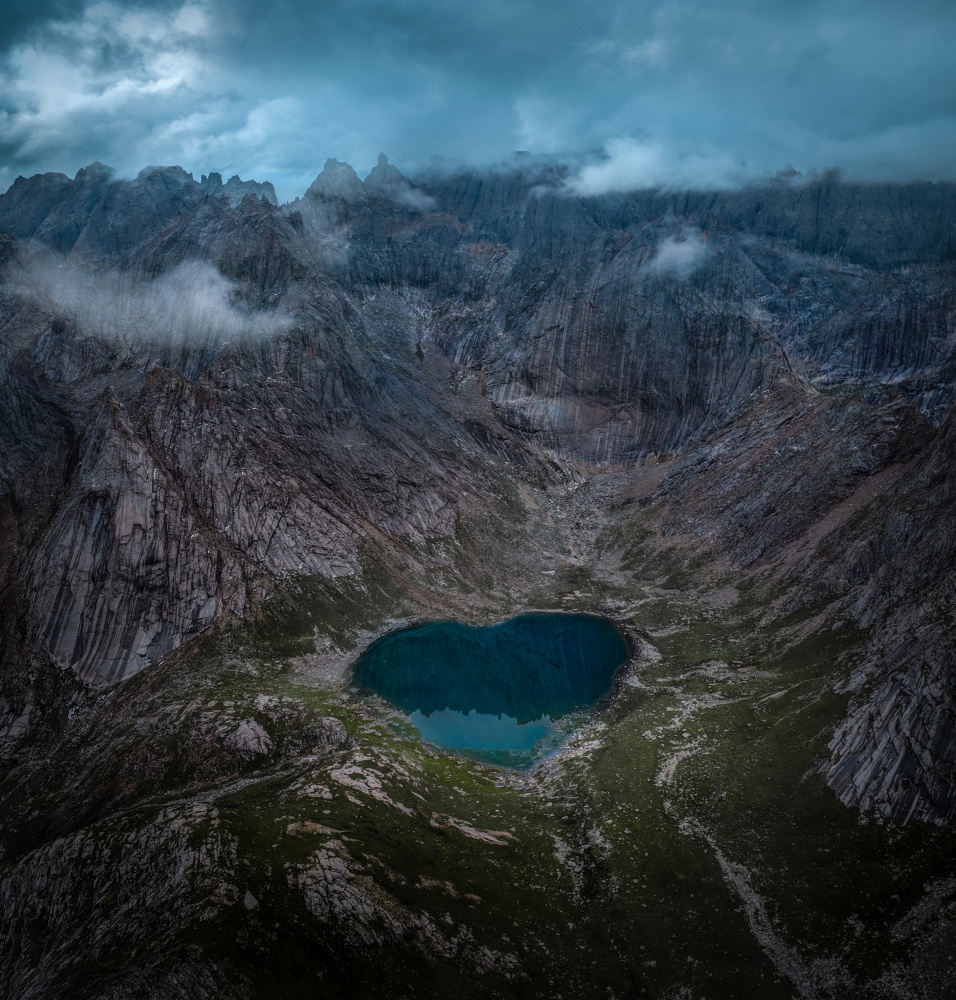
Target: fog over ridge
<point>190,304</point>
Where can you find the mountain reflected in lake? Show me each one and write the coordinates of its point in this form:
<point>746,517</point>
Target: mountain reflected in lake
<point>508,694</point>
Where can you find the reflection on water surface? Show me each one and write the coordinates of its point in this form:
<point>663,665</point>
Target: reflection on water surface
<point>508,694</point>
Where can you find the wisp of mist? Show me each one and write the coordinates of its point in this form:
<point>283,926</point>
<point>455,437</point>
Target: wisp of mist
<point>679,256</point>
<point>191,304</point>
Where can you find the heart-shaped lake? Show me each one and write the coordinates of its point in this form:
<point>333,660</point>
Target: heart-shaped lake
<point>506,693</point>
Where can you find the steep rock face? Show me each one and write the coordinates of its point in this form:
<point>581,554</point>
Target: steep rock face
<point>652,363</point>
<point>336,180</point>
<point>872,225</point>
<point>615,327</point>
<point>250,242</point>
<point>837,499</point>
<point>332,198</point>
<point>787,474</point>
<point>28,424</point>
<point>897,749</point>
<point>51,210</point>
<point>115,581</point>
<point>29,201</point>
<point>168,500</point>
<point>171,516</point>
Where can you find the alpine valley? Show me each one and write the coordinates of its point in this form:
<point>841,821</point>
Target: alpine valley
<point>242,441</point>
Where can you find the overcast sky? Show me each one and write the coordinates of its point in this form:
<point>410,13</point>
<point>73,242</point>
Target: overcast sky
<point>672,93</point>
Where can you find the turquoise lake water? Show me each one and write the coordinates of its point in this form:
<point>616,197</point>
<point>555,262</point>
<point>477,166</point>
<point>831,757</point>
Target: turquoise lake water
<point>508,694</point>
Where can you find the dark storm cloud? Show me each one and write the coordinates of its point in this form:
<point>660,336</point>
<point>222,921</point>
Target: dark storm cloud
<point>672,93</point>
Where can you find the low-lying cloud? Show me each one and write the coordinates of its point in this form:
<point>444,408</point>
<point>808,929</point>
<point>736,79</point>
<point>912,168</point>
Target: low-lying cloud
<point>680,255</point>
<point>191,304</point>
<point>632,166</point>
<point>413,198</point>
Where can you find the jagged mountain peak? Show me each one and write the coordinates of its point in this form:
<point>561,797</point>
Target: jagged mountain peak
<point>385,175</point>
<point>97,171</point>
<point>337,180</point>
<point>171,171</point>
<point>235,189</point>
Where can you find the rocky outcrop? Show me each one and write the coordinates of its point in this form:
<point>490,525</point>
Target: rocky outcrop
<point>249,739</point>
<point>63,889</point>
<point>896,752</point>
